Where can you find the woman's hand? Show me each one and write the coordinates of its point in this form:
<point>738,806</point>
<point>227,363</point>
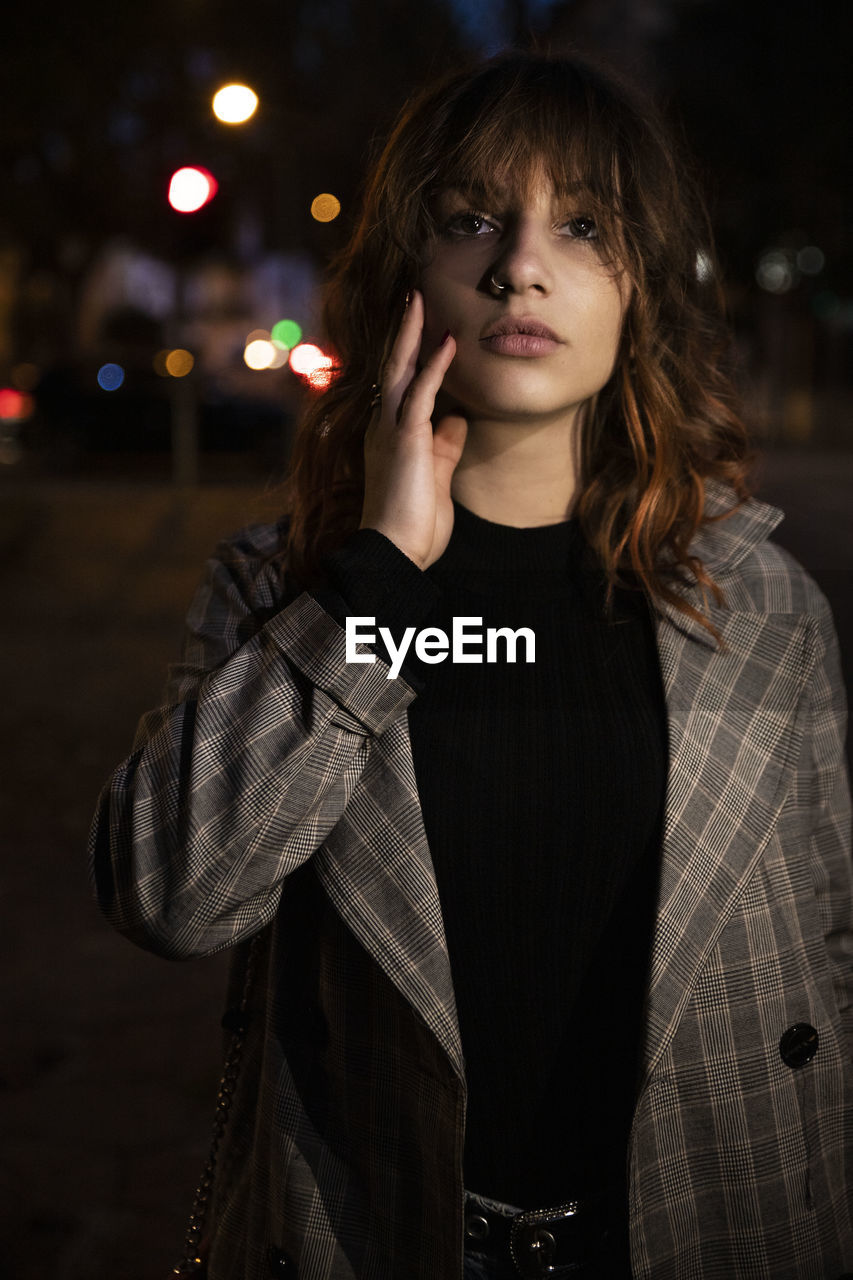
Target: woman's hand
<point>408,465</point>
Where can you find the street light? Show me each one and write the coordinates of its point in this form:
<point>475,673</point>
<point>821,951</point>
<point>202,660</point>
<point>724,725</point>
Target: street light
<point>235,103</point>
<point>191,188</point>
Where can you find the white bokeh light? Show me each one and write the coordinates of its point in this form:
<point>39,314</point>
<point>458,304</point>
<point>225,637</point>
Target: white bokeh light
<point>235,103</point>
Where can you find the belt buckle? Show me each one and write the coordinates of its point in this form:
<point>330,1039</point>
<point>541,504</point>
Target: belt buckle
<point>532,1245</point>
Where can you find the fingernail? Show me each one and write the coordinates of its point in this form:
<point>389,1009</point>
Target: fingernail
<point>445,337</point>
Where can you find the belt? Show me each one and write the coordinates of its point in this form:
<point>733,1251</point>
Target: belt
<point>539,1240</point>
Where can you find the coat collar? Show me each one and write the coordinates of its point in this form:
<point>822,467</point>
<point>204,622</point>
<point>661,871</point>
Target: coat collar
<point>731,529</point>
<point>729,533</point>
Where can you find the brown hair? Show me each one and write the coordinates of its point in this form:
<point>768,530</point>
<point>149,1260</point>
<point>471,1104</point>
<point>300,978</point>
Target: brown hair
<point>664,423</point>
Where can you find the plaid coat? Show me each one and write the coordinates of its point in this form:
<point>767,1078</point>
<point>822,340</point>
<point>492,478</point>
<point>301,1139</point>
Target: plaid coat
<point>276,787</point>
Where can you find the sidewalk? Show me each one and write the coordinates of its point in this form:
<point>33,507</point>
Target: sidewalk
<point>109,1063</point>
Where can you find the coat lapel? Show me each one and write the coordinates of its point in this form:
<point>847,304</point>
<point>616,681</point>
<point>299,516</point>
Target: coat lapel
<point>377,869</point>
<point>734,731</point>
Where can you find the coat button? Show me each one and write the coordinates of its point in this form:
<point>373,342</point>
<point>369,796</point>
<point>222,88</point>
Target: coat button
<point>280,1264</point>
<point>798,1045</point>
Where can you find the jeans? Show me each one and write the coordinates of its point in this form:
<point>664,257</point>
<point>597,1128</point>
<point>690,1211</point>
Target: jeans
<point>478,1267</point>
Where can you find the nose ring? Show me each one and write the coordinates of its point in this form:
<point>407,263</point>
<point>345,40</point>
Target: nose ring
<point>496,284</point>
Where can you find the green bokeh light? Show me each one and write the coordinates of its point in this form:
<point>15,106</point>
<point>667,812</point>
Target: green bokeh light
<point>286,333</point>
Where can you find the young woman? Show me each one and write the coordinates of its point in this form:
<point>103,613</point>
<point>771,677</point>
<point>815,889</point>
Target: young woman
<point>517,751</point>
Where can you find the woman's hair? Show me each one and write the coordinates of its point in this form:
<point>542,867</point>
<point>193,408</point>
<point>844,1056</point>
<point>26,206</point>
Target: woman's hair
<point>664,422</point>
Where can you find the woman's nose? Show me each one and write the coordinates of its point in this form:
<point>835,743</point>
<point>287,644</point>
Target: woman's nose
<point>524,262</point>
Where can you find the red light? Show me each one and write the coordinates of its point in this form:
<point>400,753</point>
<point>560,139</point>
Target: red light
<point>321,378</point>
<point>14,405</point>
<point>312,365</point>
<point>191,188</point>
<point>305,358</point>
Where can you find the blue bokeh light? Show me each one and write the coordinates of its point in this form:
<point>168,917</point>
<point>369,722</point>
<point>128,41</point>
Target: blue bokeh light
<point>110,377</point>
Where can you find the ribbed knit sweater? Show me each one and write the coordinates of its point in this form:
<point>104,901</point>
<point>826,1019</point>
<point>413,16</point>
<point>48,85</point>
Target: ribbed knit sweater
<point>542,791</point>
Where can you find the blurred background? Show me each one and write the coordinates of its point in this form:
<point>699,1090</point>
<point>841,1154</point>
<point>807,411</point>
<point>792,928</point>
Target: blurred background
<point>161,250</point>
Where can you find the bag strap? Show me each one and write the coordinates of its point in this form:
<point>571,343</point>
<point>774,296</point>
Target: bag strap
<point>236,1021</point>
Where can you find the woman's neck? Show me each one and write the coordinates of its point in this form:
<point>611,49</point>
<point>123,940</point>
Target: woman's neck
<point>518,475</point>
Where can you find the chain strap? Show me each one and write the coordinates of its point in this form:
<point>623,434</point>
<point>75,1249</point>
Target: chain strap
<point>235,1021</point>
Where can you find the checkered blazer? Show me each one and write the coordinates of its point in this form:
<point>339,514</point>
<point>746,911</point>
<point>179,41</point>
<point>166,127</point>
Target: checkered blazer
<point>273,794</point>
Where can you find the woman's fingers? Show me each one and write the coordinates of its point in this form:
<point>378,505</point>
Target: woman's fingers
<point>402,363</point>
<point>408,466</point>
<point>403,385</point>
<point>419,401</point>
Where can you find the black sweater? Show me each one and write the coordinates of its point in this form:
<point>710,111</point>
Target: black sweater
<point>542,790</point>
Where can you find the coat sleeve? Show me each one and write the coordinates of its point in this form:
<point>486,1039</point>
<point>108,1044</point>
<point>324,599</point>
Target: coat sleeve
<point>239,777</point>
<point>830,824</point>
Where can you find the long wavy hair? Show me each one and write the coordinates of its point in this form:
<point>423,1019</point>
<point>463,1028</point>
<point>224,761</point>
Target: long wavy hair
<point>666,420</point>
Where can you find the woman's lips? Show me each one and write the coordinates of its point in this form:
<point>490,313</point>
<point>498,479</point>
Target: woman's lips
<point>520,344</point>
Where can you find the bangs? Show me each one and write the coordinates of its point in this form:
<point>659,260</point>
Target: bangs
<point>519,124</point>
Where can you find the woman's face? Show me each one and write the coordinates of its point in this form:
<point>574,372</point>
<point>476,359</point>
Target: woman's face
<point>540,347</point>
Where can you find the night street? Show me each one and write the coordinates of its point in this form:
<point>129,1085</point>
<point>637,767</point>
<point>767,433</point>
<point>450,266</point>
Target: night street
<point>563,256</point>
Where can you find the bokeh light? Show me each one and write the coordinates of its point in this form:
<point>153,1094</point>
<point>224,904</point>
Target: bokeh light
<point>325,207</point>
<point>263,351</point>
<point>321,378</point>
<point>775,272</point>
<point>235,103</point>
<point>191,188</point>
<point>306,357</point>
<point>280,358</point>
<point>110,377</point>
<point>179,362</point>
<point>260,353</point>
<point>811,260</point>
<point>15,406</point>
<point>312,365</point>
<point>286,333</point>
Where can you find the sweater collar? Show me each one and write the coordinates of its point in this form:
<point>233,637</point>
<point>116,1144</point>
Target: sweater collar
<point>532,557</point>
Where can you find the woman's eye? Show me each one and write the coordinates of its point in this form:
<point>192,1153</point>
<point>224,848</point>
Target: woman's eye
<point>469,224</point>
<point>582,228</point>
